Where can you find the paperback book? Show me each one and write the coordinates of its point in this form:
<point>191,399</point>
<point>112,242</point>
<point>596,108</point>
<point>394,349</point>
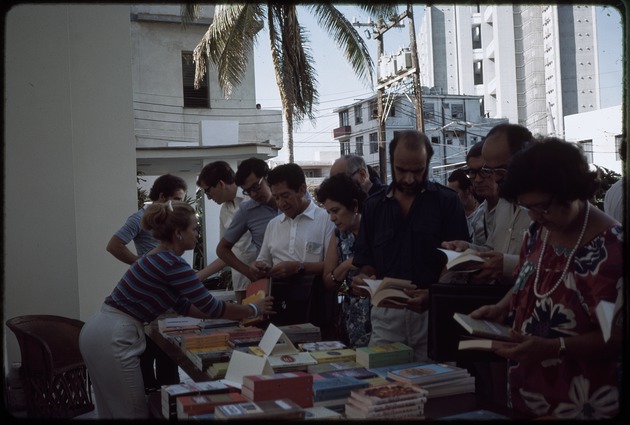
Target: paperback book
<point>278,380</point>
<point>255,292</point>
<point>322,346</point>
<point>415,411</point>
<point>483,328</point>
<point>433,372</point>
<point>325,367</point>
<point>383,355</point>
<point>388,291</point>
<point>465,261</point>
<point>484,344</point>
<point>359,373</point>
<point>268,409</point>
<point>335,388</point>
<point>334,355</point>
<point>388,393</point>
<point>169,394</point>
<point>291,362</point>
<point>200,404</point>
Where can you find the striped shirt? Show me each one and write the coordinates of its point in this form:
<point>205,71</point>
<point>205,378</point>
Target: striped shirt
<point>158,282</point>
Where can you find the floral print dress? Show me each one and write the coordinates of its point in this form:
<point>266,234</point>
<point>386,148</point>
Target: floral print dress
<point>567,387</point>
<point>355,310</point>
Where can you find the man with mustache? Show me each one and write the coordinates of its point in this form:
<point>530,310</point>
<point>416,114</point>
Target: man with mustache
<point>401,229</point>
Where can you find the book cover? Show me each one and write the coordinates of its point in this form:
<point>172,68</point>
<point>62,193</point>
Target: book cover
<point>383,355</point>
<point>484,344</point>
<point>277,380</point>
<point>335,388</point>
<point>382,370</point>
<point>411,411</point>
<point>483,328</point>
<point>462,385</point>
<point>388,393</point>
<point>325,367</point>
<point>217,370</point>
<point>334,355</point>
<point>375,408</point>
<point>169,393</point>
<point>320,412</point>
<point>359,373</point>
<point>322,345</point>
<point>465,261</point>
<point>388,291</point>
<point>217,323</point>
<point>198,404</point>
<point>302,397</point>
<point>284,409</point>
<point>293,361</point>
<point>432,372</point>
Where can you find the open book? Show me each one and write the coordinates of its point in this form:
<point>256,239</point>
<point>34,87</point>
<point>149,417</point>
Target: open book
<point>483,328</point>
<point>466,261</point>
<point>388,290</point>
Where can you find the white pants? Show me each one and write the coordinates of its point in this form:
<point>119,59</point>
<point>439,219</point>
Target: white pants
<point>111,343</point>
<point>401,325</point>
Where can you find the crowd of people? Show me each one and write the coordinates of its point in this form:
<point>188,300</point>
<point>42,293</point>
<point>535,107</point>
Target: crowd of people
<point>522,203</point>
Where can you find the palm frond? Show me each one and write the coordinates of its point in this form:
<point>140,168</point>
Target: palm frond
<point>189,12</point>
<point>347,38</point>
<point>375,10</point>
<point>228,43</point>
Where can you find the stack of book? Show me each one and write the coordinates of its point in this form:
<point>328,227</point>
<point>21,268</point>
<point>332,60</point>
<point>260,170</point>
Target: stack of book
<point>321,413</point>
<point>301,333</point>
<point>245,332</point>
<point>217,370</point>
<point>333,392</point>
<point>438,379</point>
<point>202,404</point>
<point>388,401</point>
<point>330,356</point>
<point>204,358</point>
<point>384,355</point>
<point>170,326</point>
<point>296,386</point>
<point>169,394</point>
<point>269,409</point>
<point>357,372</point>
<point>382,371</point>
<point>204,339</point>
<point>217,323</point>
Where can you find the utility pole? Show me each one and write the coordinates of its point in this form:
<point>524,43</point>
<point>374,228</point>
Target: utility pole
<point>415,63</point>
<point>382,153</point>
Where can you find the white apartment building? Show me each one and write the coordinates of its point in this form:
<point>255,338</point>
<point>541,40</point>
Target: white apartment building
<point>532,64</point>
<point>453,123</point>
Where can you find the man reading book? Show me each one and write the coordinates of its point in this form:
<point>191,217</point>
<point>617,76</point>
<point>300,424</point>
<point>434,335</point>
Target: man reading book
<point>401,228</point>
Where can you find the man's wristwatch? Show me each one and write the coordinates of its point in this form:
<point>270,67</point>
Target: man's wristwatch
<point>301,268</point>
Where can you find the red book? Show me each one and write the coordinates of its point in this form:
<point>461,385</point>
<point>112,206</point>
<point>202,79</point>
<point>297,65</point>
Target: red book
<point>200,404</point>
<point>277,380</point>
<point>302,397</point>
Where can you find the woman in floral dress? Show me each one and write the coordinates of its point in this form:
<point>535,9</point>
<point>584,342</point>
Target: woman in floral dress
<point>343,199</point>
<point>571,259</point>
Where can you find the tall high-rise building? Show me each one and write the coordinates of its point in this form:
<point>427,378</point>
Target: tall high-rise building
<point>533,64</point>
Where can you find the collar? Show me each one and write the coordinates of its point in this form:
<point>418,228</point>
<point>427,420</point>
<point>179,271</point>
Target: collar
<point>309,212</point>
<point>428,185</point>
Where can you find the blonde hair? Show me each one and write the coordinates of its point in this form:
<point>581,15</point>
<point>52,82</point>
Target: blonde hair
<point>163,219</point>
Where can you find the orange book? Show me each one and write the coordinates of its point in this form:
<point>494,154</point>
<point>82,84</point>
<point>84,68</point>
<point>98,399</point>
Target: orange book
<point>255,292</point>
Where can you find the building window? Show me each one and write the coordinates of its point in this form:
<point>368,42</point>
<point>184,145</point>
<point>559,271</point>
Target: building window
<point>428,110</point>
<point>344,119</point>
<point>587,149</point>
<point>392,111</point>
<point>199,98</point>
<point>358,114</point>
<point>478,72</point>
<point>373,111</point>
<point>476,37</point>
<point>358,148</point>
<point>435,140</point>
<point>373,142</point>
<point>457,111</point>
<point>345,147</point>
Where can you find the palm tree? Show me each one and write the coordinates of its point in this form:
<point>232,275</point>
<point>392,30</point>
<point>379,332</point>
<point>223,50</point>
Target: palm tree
<point>233,33</point>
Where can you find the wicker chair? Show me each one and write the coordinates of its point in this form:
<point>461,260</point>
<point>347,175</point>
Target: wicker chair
<point>53,374</point>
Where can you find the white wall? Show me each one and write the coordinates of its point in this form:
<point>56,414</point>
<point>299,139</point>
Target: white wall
<point>69,157</point>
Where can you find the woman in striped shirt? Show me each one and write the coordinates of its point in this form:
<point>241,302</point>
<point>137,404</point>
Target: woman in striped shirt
<point>113,339</point>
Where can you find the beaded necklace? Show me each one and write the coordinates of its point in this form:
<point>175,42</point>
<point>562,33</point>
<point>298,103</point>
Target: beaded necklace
<point>566,267</point>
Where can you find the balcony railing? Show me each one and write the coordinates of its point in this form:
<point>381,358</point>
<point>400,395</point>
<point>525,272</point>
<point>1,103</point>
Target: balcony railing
<point>342,131</point>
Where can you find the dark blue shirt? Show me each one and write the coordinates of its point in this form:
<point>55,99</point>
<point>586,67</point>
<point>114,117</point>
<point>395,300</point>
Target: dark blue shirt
<point>406,248</point>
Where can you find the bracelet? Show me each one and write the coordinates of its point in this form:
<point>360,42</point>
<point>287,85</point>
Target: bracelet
<point>255,309</point>
<point>332,276</point>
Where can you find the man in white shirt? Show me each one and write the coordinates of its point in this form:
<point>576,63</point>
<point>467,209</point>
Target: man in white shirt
<point>217,181</point>
<point>295,242</point>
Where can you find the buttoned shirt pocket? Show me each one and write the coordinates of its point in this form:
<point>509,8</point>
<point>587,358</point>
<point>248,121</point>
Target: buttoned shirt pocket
<point>314,252</point>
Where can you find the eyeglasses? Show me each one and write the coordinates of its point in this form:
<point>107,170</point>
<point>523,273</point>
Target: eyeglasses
<point>473,172</point>
<point>254,188</point>
<point>538,209</point>
<point>487,172</point>
<point>207,190</point>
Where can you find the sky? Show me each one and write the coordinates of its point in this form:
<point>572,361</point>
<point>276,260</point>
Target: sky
<point>338,86</point>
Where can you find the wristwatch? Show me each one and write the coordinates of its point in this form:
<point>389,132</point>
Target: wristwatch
<point>301,268</point>
<point>562,351</point>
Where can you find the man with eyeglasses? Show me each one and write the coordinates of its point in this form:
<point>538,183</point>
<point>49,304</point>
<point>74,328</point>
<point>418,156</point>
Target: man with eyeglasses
<point>355,167</point>
<point>252,216</point>
<point>502,248</point>
<point>217,181</point>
